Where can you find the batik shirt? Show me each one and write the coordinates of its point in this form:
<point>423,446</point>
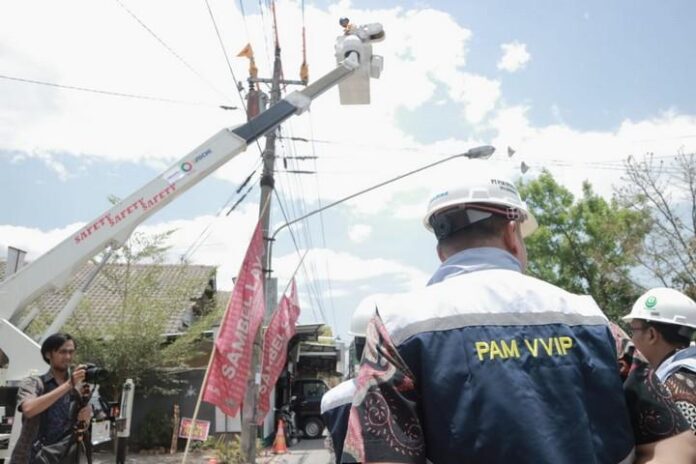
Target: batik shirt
<point>682,386</point>
<point>49,426</point>
<point>655,412</point>
<point>678,373</point>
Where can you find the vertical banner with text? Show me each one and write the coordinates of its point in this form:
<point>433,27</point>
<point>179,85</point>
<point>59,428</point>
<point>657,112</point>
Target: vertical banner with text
<point>275,347</point>
<point>233,349</point>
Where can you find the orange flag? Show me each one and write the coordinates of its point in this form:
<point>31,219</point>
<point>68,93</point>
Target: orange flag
<point>247,51</point>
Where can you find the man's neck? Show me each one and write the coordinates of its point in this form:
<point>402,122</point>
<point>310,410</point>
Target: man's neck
<point>664,352</point>
<point>61,376</point>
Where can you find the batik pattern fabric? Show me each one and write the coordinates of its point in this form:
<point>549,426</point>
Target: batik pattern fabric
<point>384,425</point>
<point>682,386</point>
<point>654,408</point>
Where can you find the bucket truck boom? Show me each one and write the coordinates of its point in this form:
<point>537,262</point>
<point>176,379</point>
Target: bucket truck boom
<point>356,65</point>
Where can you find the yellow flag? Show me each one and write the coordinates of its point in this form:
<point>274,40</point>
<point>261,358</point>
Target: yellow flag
<point>247,51</point>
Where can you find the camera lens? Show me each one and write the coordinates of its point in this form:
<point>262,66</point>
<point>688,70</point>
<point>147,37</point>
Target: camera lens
<point>95,374</point>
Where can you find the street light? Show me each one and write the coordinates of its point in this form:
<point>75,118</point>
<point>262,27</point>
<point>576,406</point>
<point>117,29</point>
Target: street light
<point>482,152</point>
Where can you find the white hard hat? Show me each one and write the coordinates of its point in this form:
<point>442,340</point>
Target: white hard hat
<point>364,313</point>
<point>664,305</point>
<point>480,196</point>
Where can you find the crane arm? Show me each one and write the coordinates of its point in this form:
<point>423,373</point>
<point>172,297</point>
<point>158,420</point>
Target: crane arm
<point>114,226</point>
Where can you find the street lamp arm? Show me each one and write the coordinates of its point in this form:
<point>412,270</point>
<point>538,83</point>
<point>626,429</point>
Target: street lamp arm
<point>473,153</point>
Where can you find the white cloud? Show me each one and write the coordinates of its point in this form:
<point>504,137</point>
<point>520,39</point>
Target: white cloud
<point>345,267</point>
<point>359,233</point>
<point>54,165</point>
<point>478,94</point>
<point>366,146</point>
<point>222,241</point>
<point>34,241</point>
<point>47,119</point>
<point>515,56</point>
<point>573,155</point>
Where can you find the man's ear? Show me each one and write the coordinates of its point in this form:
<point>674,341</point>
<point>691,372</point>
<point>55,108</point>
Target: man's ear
<point>510,237</point>
<point>653,335</point>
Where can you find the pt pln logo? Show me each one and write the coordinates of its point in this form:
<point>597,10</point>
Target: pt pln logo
<point>651,302</point>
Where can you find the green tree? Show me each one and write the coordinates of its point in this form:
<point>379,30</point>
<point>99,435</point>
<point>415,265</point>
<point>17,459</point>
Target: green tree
<point>130,343</point>
<point>587,245</point>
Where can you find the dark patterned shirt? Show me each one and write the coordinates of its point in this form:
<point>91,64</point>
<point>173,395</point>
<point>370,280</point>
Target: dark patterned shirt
<point>49,426</point>
<point>655,413</point>
<point>682,386</point>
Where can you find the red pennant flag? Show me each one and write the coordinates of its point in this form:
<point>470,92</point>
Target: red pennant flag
<point>275,347</point>
<point>233,349</point>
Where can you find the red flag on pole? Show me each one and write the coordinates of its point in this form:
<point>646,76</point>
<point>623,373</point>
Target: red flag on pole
<point>275,347</point>
<point>233,349</point>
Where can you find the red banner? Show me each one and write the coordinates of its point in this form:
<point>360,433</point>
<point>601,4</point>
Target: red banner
<point>275,347</point>
<point>233,349</point>
<point>200,429</point>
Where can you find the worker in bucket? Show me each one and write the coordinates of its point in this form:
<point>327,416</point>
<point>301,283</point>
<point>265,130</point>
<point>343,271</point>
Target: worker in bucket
<point>336,403</point>
<point>662,323</point>
<point>487,364</point>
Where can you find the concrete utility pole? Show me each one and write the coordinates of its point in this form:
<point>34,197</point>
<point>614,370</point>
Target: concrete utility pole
<point>249,411</point>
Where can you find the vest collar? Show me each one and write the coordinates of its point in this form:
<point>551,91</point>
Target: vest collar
<point>475,259</point>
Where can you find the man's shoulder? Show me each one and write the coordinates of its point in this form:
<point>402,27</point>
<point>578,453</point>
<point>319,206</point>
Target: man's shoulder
<point>338,396</point>
<point>33,383</point>
<point>482,293</point>
<point>503,282</point>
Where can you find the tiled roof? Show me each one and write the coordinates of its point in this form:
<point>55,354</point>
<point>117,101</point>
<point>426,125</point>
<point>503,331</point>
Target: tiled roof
<point>169,283</point>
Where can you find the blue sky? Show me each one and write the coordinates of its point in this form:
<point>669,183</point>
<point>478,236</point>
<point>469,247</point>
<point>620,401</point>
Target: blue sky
<point>574,87</point>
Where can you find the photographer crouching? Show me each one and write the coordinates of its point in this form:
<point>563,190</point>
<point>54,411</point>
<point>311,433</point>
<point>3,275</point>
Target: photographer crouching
<point>54,407</point>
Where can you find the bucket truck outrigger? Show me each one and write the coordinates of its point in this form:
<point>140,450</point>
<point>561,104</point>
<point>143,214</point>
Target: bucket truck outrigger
<point>111,229</point>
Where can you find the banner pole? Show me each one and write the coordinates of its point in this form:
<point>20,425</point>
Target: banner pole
<point>210,361</point>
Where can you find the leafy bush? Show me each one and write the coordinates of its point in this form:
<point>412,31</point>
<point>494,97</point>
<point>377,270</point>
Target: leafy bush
<point>229,451</point>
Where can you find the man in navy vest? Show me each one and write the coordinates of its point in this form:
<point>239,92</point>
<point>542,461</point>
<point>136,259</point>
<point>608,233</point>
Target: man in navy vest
<point>487,365</point>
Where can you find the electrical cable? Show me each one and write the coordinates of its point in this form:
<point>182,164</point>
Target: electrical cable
<point>229,66</point>
<point>297,248</point>
<point>316,286</point>
<point>265,35</point>
<point>205,234</point>
<point>171,50</point>
<point>321,218</point>
<point>111,93</point>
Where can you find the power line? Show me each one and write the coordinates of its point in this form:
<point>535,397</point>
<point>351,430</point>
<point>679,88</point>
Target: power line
<point>321,214</point>
<point>224,53</point>
<point>265,36</point>
<point>111,93</point>
<point>205,233</point>
<point>246,28</point>
<point>168,48</point>
<point>297,248</point>
<point>425,151</point>
<point>317,286</point>
<point>229,65</point>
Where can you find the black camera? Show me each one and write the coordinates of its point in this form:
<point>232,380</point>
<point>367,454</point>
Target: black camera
<point>95,374</point>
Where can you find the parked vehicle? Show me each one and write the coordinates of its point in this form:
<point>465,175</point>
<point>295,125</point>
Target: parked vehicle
<point>307,406</point>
